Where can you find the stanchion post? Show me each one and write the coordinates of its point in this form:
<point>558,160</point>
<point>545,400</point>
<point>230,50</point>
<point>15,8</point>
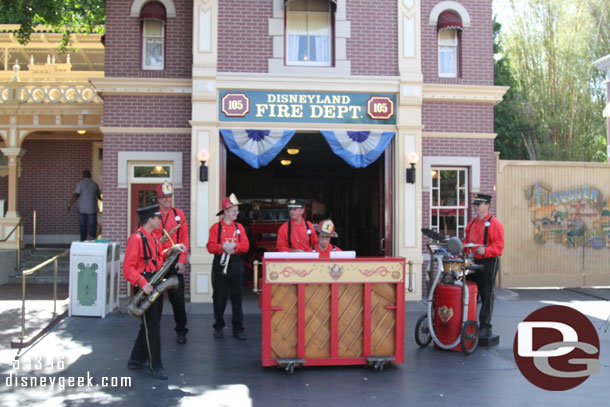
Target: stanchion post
<point>22,337</point>
<point>55,287</point>
<point>34,230</point>
<point>255,268</point>
<point>18,237</point>
<point>410,276</point>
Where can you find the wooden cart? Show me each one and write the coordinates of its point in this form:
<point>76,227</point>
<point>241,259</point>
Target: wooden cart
<point>333,312</point>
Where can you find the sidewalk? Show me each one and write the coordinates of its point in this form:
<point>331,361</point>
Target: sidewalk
<point>211,373</point>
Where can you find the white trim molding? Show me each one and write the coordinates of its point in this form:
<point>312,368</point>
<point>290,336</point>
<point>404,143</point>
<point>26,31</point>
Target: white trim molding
<point>125,157</point>
<point>136,7</point>
<point>148,86</point>
<point>485,136</point>
<point>145,130</point>
<point>441,161</point>
<point>440,92</point>
<point>449,6</point>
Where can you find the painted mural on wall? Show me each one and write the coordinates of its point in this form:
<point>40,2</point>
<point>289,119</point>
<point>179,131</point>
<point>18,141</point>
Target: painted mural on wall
<point>574,217</point>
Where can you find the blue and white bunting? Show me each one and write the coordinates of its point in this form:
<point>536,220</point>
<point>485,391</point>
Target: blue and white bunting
<point>358,148</point>
<point>256,147</point>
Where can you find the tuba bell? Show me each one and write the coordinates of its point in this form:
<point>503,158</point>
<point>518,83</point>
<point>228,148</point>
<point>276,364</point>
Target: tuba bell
<point>141,302</point>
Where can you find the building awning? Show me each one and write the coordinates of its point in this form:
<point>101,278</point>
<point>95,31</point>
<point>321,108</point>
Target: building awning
<point>154,11</point>
<point>333,4</point>
<point>449,20</point>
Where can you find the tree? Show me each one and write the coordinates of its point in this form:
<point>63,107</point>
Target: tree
<point>558,94</point>
<point>64,16</point>
<point>508,123</point>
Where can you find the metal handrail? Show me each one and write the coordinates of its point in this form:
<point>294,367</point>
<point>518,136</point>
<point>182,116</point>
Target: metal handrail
<point>32,270</point>
<point>17,228</point>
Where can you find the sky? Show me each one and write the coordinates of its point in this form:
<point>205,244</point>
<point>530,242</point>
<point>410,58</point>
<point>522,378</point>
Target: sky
<point>502,9</point>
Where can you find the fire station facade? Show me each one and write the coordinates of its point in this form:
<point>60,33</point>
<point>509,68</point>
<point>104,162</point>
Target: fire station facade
<point>185,80</point>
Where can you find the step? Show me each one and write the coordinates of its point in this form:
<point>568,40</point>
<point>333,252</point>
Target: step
<point>31,258</point>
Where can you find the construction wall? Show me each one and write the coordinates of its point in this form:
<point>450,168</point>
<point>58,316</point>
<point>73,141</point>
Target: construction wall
<point>556,220</point>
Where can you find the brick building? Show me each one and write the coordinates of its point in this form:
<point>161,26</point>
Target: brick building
<point>184,77</point>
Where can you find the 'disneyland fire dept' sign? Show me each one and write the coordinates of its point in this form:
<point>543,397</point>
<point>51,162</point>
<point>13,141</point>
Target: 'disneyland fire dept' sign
<point>307,107</point>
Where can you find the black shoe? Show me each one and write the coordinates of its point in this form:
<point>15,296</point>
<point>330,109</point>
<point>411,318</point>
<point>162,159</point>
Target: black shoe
<point>181,339</point>
<point>159,374</point>
<point>133,364</point>
<point>218,333</point>
<point>484,332</point>
<point>240,336</point>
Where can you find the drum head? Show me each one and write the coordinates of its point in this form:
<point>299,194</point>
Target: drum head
<point>455,246</point>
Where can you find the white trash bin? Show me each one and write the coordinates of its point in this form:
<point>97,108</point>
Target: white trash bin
<point>92,278</point>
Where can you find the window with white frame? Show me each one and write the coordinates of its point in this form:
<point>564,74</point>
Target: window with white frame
<point>449,201</point>
<point>448,44</point>
<point>151,173</point>
<point>153,47</point>
<point>308,32</point>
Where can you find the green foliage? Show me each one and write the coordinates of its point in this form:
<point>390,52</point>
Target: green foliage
<point>557,94</point>
<point>64,16</point>
<point>507,121</point>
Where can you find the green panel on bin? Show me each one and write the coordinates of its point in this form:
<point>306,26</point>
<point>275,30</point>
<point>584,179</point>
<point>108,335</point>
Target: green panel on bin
<point>87,284</point>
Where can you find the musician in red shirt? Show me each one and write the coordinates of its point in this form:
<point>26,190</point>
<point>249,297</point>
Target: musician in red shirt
<point>296,235</point>
<point>326,231</point>
<point>487,231</point>
<point>173,224</point>
<point>227,241</point>
<point>143,257</point>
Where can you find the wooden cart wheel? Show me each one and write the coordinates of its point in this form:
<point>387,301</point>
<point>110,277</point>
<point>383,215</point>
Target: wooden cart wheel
<point>423,337</point>
<point>469,338</point>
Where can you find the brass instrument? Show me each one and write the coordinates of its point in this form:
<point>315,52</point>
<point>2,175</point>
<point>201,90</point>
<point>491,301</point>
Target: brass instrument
<point>141,302</point>
<point>167,235</point>
<point>225,258</point>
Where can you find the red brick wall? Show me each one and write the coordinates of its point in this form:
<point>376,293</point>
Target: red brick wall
<point>116,203</point>
<point>123,42</point>
<point>244,44</point>
<point>50,170</point>
<point>477,45</point>
<point>458,117</point>
<point>147,111</point>
<point>372,47</point>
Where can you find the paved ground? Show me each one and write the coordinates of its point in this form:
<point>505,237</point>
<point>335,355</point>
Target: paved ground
<point>211,373</point>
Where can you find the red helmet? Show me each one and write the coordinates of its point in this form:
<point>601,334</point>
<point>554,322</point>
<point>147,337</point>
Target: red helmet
<point>326,226</point>
<point>165,188</point>
<point>229,202</point>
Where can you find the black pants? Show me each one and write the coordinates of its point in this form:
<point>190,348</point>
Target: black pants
<point>227,286</point>
<point>176,298</point>
<point>148,342</point>
<point>485,280</point>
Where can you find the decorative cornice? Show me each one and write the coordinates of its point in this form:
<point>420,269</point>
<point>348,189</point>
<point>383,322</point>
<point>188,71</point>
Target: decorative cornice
<point>142,86</point>
<point>145,130</point>
<point>491,136</point>
<point>437,92</point>
<point>250,81</point>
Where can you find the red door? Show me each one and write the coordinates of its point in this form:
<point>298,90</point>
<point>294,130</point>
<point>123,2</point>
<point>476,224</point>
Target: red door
<point>141,195</point>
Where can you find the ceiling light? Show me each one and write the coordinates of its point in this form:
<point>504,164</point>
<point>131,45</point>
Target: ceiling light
<point>285,162</point>
<point>293,151</point>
